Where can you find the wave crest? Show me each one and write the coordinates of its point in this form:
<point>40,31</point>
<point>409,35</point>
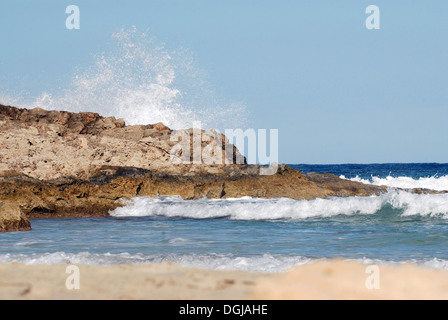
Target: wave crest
<point>247,208</point>
<point>433,183</point>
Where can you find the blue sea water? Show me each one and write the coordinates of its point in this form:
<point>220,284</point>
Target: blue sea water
<point>258,234</point>
<point>366,171</point>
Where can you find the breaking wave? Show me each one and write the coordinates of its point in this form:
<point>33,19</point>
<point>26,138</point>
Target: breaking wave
<point>268,263</point>
<point>433,183</point>
<point>247,208</point>
<point>261,263</point>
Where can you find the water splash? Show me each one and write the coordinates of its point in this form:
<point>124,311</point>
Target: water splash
<point>141,81</point>
<point>433,183</point>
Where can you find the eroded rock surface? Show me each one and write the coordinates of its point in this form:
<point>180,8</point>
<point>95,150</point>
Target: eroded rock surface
<point>58,164</point>
<point>104,191</point>
<point>12,218</point>
<point>49,145</point>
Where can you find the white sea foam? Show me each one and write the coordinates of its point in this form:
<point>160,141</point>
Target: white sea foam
<point>436,264</point>
<point>262,263</point>
<point>247,208</point>
<point>433,183</point>
<point>140,80</point>
<point>31,243</point>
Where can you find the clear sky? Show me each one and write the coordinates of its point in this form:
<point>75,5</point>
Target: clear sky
<point>337,92</point>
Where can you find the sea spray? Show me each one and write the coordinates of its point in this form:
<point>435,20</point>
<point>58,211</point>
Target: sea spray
<point>140,80</point>
<point>433,183</point>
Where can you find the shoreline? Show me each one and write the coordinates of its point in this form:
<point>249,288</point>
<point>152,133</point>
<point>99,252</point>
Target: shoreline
<point>332,279</point>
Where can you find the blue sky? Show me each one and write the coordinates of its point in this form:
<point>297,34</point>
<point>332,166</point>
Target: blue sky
<point>337,92</point>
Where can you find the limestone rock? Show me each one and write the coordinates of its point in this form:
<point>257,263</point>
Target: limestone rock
<point>59,164</point>
<point>108,185</point>
<point>49,145</point>
<point>12,218</point>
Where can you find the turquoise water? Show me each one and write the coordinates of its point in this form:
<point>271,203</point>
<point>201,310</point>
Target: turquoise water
<point>254,234</point>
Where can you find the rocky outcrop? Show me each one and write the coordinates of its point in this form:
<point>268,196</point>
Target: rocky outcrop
<point>59,164</point>
<point>49,145</point>
<point>109,185</point>
<point>12,218</point>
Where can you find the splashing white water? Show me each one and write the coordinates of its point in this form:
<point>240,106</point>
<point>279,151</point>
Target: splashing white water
<point>433,183</point>
<point>139,80</point>
<point>269,209</point>
<point>262,263</point>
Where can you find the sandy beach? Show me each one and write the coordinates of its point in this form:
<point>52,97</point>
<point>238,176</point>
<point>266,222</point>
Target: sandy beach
<point>320,280</point>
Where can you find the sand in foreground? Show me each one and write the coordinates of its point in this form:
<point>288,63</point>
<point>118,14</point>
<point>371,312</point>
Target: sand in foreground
<point>321,280</point>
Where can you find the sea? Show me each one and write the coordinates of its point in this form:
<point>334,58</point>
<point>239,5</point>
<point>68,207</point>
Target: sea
<point>266,235</point>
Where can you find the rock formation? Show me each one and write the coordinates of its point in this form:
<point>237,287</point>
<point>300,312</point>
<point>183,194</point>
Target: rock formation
<point>55,164</point>
<point>49,145</point>
<point>109,185</point>
<point>12,218</point>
